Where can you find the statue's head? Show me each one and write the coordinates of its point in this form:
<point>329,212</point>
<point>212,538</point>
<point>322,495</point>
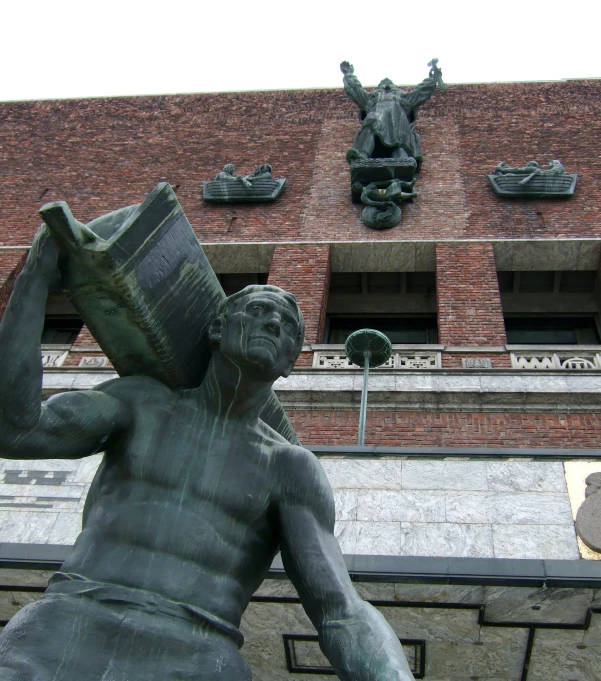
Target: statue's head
<point>229,168</point>
<point>260,327</point>
<point>265,168</point>
<point>387,84</point>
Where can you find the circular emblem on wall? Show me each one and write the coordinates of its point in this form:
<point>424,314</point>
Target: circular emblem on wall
<point>588,518</point>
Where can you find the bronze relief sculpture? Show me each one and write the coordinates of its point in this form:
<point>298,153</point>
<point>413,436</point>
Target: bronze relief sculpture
<point>257,187</point>
<point>533,182</point>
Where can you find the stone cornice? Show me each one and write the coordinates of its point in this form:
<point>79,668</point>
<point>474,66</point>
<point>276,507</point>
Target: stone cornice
<point>430,390</point>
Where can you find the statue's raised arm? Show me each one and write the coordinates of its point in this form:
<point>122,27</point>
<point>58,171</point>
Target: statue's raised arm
<point>353,87</point>
<point>436,74</point>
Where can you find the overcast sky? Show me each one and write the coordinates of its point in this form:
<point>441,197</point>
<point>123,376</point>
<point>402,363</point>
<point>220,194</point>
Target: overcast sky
<point>63,48</point>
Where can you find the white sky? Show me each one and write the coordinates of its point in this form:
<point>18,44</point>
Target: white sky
<point>83,48</point>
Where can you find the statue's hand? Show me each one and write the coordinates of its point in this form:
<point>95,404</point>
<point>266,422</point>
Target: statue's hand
<point>43,255</point>
<point>347,68</point>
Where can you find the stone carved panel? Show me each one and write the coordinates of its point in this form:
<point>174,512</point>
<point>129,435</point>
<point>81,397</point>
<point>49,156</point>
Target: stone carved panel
<point>94,362</point>
<point>556,360</point>
<point>476,363</point>
<point>53,358</point>
<point>323,359</point>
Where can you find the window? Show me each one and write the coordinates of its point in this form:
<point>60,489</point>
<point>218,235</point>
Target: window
<point>559,281</point>
<point>232,283</point>
<point>550,307</point>
<point>350,283</point>
<point>61,329</point>
<point>62,323</point>
<point>401,305</point>
<point>553,330</point>
<point>399,329</point>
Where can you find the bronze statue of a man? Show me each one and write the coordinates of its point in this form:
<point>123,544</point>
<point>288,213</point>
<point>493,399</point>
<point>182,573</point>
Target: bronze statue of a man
<point>192,501</point>
<point>387,116</point>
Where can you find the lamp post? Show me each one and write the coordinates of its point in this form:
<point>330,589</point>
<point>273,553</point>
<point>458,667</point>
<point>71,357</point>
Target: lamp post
<point>367,348</point>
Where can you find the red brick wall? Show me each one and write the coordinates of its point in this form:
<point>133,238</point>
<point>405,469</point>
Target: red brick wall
<point>452,360</point>
<point>469,303</point>
<point>100,154</point>
<point>304,271</point>
<point>84,338</point>
<point>429,429</point>
<point>11,264</point>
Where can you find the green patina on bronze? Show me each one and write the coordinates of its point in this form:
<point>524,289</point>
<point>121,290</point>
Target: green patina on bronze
<point>195,494</point>
<point>144,287</point>
<point>368,345</point>
<point>257,187</point>
<point>533,182</point>
<point>387,148</point>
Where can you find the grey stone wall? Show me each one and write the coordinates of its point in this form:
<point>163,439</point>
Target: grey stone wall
<point>478,509</point>
<point>505,509</point>
<point>466,632</point>
<point>41,502</point>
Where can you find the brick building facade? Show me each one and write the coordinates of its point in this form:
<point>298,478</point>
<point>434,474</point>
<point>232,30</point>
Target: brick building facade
<point>481,431</point>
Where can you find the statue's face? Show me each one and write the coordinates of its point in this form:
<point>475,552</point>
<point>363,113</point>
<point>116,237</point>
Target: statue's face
<point>260,332</point>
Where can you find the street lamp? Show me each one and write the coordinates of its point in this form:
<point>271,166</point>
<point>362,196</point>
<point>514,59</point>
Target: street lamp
<point>367,348</point>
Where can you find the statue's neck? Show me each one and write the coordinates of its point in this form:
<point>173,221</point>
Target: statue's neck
<point>228,393</point>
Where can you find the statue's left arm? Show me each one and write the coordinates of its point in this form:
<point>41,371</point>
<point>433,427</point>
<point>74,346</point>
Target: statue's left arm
<point>420,94</point>
<point>355,637</point>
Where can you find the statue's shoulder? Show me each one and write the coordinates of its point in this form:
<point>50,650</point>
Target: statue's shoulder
<point>292,461</point>
<point>299,466</point>
<point>135,389</point>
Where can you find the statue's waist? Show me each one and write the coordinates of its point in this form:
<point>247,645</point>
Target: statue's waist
<point>64,583</point>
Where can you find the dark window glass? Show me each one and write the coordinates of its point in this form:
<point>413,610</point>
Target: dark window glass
<point>345,282</point>
<point>421,282</point>
<point>61,329</point>
<point>505,282</point>
<point>574,281</point>
<point>551,330</point>
<point>536,282</point>
<point>398,329</point>
<point>384,282</point>
<point>232,283</point>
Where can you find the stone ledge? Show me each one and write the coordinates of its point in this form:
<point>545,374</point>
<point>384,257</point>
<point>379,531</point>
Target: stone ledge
<point>428,389</point>
<point>461,453</point>
<point>576,574</point>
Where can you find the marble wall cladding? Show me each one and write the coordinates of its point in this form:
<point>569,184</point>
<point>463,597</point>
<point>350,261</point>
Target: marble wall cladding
<point>376,538</point>
<point>561,654</point>
<point>447,539</point>
<point>540,541</point>
<point>41,501</point>
<point>458,646</point>
<point>503,509</point>
<point>537,605</point>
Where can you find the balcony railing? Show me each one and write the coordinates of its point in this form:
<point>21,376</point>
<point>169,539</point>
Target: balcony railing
<point>401,358</point>
<point>573,359</point>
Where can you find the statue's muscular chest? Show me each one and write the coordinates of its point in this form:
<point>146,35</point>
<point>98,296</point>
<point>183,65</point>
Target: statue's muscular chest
<point>184,455</point>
